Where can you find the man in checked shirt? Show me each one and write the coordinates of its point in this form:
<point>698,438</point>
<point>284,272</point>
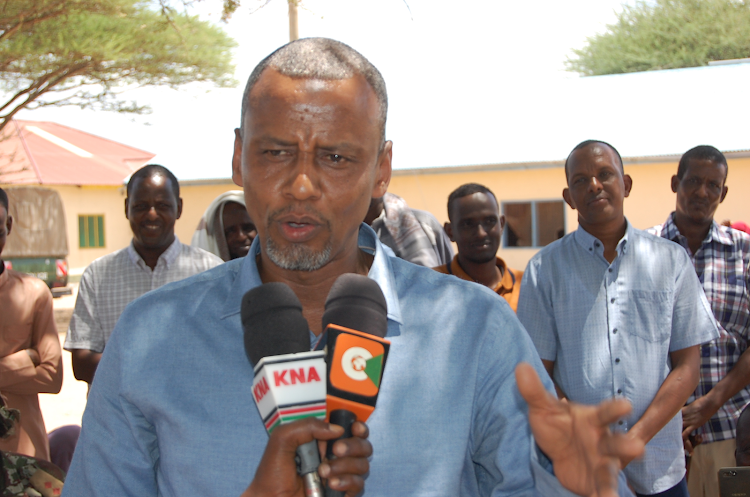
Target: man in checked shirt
<point>721,256</point>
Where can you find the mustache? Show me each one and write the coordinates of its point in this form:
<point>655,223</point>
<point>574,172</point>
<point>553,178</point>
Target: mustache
<point>306,210</point>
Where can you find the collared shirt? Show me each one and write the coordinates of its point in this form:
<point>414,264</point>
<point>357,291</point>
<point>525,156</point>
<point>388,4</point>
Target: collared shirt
<point>723,267</point>
<point>509,286</point>
<point>181,421</point>
<point>610,328</point>
<point>113,281</point>
<point>27,321</point>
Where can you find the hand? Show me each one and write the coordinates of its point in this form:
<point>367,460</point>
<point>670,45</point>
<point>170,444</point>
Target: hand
<point>695,415</point>
<point>277,476</point>
<point>34,356</point>
<point>584,452</point>
<point>691,442</point>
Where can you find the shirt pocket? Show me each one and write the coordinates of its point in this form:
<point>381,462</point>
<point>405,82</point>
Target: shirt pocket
<point>649,315</point>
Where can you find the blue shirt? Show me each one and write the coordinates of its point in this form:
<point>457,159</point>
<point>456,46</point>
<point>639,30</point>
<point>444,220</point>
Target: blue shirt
<point>171,411</point>
<point>610,328</point>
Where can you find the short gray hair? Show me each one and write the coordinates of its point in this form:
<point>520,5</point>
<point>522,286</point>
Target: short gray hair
<point>320,58</point>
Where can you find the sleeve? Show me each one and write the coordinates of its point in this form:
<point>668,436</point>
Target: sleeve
<point>85,330</point>
<point>23,377</point>
<point>693,321</point>
<point>435,232</point>
<point>536,312</point>
<point>117,452</point>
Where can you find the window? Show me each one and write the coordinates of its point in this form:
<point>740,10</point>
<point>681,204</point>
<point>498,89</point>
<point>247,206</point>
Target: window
<point>91,231</point>
<point>533,224</point>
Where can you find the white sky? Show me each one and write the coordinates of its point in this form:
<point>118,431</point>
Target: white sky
<point>447,65</point>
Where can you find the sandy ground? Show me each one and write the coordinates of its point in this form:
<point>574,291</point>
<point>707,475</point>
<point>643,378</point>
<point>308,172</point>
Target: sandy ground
<point>65,408</point>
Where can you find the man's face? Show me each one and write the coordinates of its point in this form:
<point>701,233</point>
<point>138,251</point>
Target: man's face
<point>700,191</point>
<point>6,222</point>
<point>239,229</point>
<point>596,186</point>
<point>310,159</point>
<point>476,227</point>
<point>152,210</point>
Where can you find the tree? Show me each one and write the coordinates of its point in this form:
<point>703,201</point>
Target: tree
<point>85,52</point>
<point>667,34</point>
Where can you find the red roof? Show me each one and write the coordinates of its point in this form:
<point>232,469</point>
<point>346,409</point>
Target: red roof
<point>46,153</point>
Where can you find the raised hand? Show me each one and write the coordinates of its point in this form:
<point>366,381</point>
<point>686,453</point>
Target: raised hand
<point>584,452</point>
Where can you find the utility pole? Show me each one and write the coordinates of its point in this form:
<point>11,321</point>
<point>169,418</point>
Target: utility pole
<point>293,25</point>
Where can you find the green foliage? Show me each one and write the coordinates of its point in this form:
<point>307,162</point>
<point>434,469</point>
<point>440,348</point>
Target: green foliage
<point>667,34</point>
<point>85,52</point>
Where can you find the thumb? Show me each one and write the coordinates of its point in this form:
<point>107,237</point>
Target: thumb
<point>531,387</point>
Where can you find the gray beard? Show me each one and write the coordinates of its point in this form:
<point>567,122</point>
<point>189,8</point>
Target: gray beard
<point>297,257</point>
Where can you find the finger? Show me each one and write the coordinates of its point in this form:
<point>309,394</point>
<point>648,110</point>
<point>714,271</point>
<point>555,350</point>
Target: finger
<point>688,446</point>
<point>531,388</point>
<point>351,484</point>
<point>352,447</point>
<point>291,435</point>
<point>610,411</point>
<point>360,429</point>
<point>621,446</point>
<point>342,466</point>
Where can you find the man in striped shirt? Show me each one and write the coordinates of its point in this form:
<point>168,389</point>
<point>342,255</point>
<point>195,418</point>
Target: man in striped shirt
<point>721,257</point>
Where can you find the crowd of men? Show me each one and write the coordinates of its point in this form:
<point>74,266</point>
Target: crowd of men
<point>623,338</point>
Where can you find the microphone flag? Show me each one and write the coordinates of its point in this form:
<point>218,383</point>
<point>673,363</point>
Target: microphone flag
<point>290,387</point>
<point>354,370</point>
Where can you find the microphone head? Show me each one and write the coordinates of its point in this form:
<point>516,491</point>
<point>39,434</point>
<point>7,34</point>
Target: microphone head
<point>356,302</point>
<point>273,322</point>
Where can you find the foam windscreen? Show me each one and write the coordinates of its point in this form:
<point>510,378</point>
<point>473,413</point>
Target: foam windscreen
<point>356,302</point>
<point>273,322</point>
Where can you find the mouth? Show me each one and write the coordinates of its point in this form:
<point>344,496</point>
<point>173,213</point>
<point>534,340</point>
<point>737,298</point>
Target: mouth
<point>482,244</point>
<point>151,228</point>
<point>297,228</point>
<point>597,201</point>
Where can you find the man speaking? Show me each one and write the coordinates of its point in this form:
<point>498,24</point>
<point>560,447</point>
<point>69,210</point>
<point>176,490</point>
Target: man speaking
<point>171,412</point>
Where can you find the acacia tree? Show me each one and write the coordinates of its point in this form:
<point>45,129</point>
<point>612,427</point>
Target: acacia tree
<point>85,52</point>
<point>667,34</point>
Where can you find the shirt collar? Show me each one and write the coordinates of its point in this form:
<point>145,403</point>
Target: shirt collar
<point>593,245</point>
<point>381,271</point>
<point>716,233</point>
<point>505,283</point>
<point>168,256</point>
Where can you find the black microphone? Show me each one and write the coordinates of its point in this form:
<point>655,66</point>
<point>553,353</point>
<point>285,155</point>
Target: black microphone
<point>289,382</point>
<point>355,320</point>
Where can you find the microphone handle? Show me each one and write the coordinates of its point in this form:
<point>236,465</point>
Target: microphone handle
<point>309,460</point>
<point>345,419</point>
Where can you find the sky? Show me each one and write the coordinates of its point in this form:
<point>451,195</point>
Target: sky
<point>457,73</point>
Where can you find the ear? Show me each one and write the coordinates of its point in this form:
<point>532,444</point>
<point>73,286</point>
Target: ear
<point>675,183</point>
<point>501,222</point>
<point>568,199</point>
<point>384,170</point>
<point>449,231</point>
<point>179,208</point>
<point>724,194</point>
<point>126,208</point>
<point>237,158</point>
<point>628,181</point>
<point>9,224</point>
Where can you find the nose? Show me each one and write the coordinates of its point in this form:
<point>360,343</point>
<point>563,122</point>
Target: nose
<point>151,212</point>
<point>702,190</point>
<point>595,185</point>
<point>304,185</point>
<point>481,230</point>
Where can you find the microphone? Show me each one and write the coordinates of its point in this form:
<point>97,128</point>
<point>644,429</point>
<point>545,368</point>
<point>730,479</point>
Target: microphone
<point>355,320</point>
<point>289,382</point>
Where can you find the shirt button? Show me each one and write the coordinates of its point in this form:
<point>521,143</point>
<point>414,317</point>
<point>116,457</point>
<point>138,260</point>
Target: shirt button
<point>619,390</point>
<point>596,244</point>
<point>617,361</point>
<point>610,270</point>
<point>614,332</point>
<point>590,249</point>
<point>612,300</point>
<point>620,422</point>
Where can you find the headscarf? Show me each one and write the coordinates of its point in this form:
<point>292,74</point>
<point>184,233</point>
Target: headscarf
<point>209,235</point>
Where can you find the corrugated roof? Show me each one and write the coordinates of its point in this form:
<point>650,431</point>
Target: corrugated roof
<point>646,114</point>
<point>47,153</point>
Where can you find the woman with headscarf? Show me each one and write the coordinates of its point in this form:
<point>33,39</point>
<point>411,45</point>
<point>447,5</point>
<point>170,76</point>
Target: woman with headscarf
<point>226,229</point>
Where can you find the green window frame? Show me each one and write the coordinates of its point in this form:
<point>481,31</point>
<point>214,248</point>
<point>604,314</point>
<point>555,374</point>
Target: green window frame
<point>91,231</point>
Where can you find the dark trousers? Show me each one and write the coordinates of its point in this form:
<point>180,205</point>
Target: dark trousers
<point>679,490</point>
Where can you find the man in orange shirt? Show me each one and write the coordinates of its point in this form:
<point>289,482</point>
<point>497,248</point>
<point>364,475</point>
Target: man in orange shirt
<point>30,354</point>
<point>477,227</point>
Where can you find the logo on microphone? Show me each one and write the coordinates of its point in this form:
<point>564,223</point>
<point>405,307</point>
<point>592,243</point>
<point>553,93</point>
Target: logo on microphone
<point>357,364</point>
